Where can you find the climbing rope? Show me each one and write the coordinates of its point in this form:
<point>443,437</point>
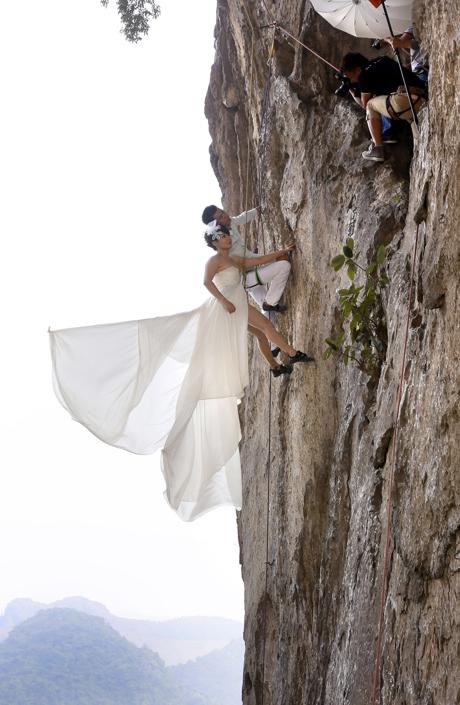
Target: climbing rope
<point>389,507</point>
<point>260,229</point>
<point>261,195</point>
<point>263,142</point>
<point>267,535</point>
<point>248,161</point>
<point>284,31</point>
<point>398,59</point>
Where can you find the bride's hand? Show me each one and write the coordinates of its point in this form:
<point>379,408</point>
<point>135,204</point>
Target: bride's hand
<point>228,306</point>
<point>289,246</point>
<point>284,254</point>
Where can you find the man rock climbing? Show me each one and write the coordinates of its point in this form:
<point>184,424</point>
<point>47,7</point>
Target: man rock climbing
<point>266,283</point>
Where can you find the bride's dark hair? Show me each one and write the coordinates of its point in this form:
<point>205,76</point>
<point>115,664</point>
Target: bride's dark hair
<point>208,236</point>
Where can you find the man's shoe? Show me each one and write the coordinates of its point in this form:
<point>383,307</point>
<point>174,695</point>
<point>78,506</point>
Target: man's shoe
<point>276,352</point>
<point>281,370</point>
<point>374,154</point>
<point>300,357</point>
<point>279,308</point>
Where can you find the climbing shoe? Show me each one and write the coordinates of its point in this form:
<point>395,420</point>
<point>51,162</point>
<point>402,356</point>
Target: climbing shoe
<point>281,370</point>
<point>300,357</point>
<point>374,154</point>
<point>276,352</point>
<point>278,308</point>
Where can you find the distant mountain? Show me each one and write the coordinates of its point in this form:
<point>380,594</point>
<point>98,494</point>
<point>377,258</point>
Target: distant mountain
<point>176,640</point>
<point>64,657</point>
<point>218,675</point>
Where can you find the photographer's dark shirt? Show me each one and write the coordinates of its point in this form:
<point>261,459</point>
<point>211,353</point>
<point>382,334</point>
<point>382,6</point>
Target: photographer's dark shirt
<point>383,76</point>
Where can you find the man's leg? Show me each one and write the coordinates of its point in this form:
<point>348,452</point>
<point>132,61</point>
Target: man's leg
<point>258,291</point>
<point>375,108</point>
<point>275,276</point>
<point>400,104</point>
<point>374,122</point>
<point>388,131</point>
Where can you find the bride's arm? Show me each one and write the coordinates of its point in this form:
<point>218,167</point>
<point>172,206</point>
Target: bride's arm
<point>212,265</point>
<point>263,259</point>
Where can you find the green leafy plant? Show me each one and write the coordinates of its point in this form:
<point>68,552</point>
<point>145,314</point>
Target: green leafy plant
<point>363,334</point>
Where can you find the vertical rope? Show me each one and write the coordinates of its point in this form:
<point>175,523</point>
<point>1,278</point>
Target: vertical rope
<point>398,58</point>
<point>248,142</point>
<point>259,188</point>
<point>267,533</point>
<point>389,507</point>
<point>264,119</point>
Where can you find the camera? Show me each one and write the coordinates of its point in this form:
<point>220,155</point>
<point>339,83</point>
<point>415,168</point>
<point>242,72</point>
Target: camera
<point>344,86</point>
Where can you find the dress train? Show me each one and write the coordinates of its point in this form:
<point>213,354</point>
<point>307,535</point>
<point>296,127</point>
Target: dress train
<point>172,382</point>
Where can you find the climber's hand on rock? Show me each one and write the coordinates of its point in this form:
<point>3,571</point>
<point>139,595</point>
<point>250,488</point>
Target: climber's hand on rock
<point>284,253</point>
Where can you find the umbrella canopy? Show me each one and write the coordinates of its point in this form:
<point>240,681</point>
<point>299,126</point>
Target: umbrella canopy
<point>363,19</point>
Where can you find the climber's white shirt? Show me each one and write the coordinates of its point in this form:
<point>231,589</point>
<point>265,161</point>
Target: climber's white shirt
<point>238,248</point>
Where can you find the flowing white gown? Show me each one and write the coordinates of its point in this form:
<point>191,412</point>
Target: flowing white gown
<point>172,382</point>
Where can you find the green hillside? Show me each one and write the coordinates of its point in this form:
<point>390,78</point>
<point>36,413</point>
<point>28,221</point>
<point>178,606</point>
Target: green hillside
<point>64,657</point>
<point>176,640</point>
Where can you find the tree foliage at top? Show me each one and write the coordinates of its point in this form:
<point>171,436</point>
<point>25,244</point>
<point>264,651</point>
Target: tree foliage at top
<point>135,17</point>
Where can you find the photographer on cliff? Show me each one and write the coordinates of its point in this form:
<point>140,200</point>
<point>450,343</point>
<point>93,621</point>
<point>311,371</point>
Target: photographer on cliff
<point>376,86</point>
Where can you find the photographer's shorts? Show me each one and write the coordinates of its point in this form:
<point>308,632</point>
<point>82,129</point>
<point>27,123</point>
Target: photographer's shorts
<point>395,106</point>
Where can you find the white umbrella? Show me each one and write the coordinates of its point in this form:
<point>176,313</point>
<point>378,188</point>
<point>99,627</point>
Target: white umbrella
<point>366,18</point>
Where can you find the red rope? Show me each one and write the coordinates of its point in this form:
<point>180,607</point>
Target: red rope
<point>318,56</point>
<point>383,594</point>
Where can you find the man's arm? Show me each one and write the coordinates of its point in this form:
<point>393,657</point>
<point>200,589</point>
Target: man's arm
<point>404,41</point>
<point>246,216</point>
<point>365,98</point>
<point>362,99</point>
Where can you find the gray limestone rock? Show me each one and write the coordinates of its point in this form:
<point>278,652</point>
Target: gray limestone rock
<point>312,610</point>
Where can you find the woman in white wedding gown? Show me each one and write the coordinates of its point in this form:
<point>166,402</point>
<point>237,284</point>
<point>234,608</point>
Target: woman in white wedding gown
<point>172,382</point>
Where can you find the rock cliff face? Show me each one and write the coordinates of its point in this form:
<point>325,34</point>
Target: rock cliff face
<point>331,428</point>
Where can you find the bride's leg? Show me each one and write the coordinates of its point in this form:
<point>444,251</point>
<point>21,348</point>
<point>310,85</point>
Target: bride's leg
<point>264,346</point>
<point>257,320</point>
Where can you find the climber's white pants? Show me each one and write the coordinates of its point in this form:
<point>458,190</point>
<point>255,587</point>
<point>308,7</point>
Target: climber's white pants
<point>273,276</point>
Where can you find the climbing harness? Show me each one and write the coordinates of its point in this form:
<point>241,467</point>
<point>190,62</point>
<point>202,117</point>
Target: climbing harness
<point>395,114</point>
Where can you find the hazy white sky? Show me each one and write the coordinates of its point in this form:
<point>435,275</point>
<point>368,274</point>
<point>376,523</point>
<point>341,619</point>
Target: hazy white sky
<point>104,173</point>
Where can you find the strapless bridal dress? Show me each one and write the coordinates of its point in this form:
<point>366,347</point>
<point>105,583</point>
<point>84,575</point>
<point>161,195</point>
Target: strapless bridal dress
<point>172,382</point>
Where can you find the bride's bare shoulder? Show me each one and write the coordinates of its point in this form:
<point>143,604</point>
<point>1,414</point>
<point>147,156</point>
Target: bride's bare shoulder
<point>219,263</point>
